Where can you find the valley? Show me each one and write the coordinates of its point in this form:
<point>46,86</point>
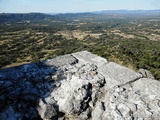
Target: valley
<point>130,39</point>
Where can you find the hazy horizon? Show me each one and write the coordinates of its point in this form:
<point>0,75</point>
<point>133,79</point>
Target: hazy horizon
<point>77,12</point>
<point>74,6</point>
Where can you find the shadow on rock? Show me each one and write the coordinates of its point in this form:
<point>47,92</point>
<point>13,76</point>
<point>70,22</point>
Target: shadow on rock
<point>24,89</point>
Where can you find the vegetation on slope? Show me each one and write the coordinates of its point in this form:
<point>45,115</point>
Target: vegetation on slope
<point>129,40</point>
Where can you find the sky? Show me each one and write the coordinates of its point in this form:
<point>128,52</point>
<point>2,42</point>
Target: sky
<point>73,6</point>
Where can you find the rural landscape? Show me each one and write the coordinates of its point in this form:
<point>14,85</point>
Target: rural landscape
<point>130,38</point>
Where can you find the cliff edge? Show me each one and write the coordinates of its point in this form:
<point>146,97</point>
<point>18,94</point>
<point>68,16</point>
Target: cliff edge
<point>78,86</point>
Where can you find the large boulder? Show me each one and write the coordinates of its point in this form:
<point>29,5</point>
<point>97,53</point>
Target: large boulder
<point>78,86</point>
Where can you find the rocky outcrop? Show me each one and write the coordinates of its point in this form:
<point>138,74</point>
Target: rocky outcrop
<point>78,86</point>
<point>145,73</point>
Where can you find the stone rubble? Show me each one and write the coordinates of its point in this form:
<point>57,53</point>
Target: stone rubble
<point>78,86</point>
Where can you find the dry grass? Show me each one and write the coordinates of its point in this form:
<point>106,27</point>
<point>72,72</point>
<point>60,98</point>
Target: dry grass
<point>119,33</point>
<point>116,60</point>
<point>77,34</point>
<point>15,64</point>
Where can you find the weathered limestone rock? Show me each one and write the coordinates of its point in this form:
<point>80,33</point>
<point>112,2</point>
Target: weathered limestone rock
<point>61,60</point>
<point>78,86</point>
<point>117,75</point>
<point>87,57</point>
<point>138,100</point>
<point>48,109</point>
<point>146,73</point>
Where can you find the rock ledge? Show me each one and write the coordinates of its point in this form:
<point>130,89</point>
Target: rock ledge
<point>78,86</point>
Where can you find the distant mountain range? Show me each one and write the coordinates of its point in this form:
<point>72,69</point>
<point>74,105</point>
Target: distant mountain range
<point>21,17</point>
<point>128,11</point>
<point>17,17</point>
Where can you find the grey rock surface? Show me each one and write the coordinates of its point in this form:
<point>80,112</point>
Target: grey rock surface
<point>78,86</point>
<point>146,73</point>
